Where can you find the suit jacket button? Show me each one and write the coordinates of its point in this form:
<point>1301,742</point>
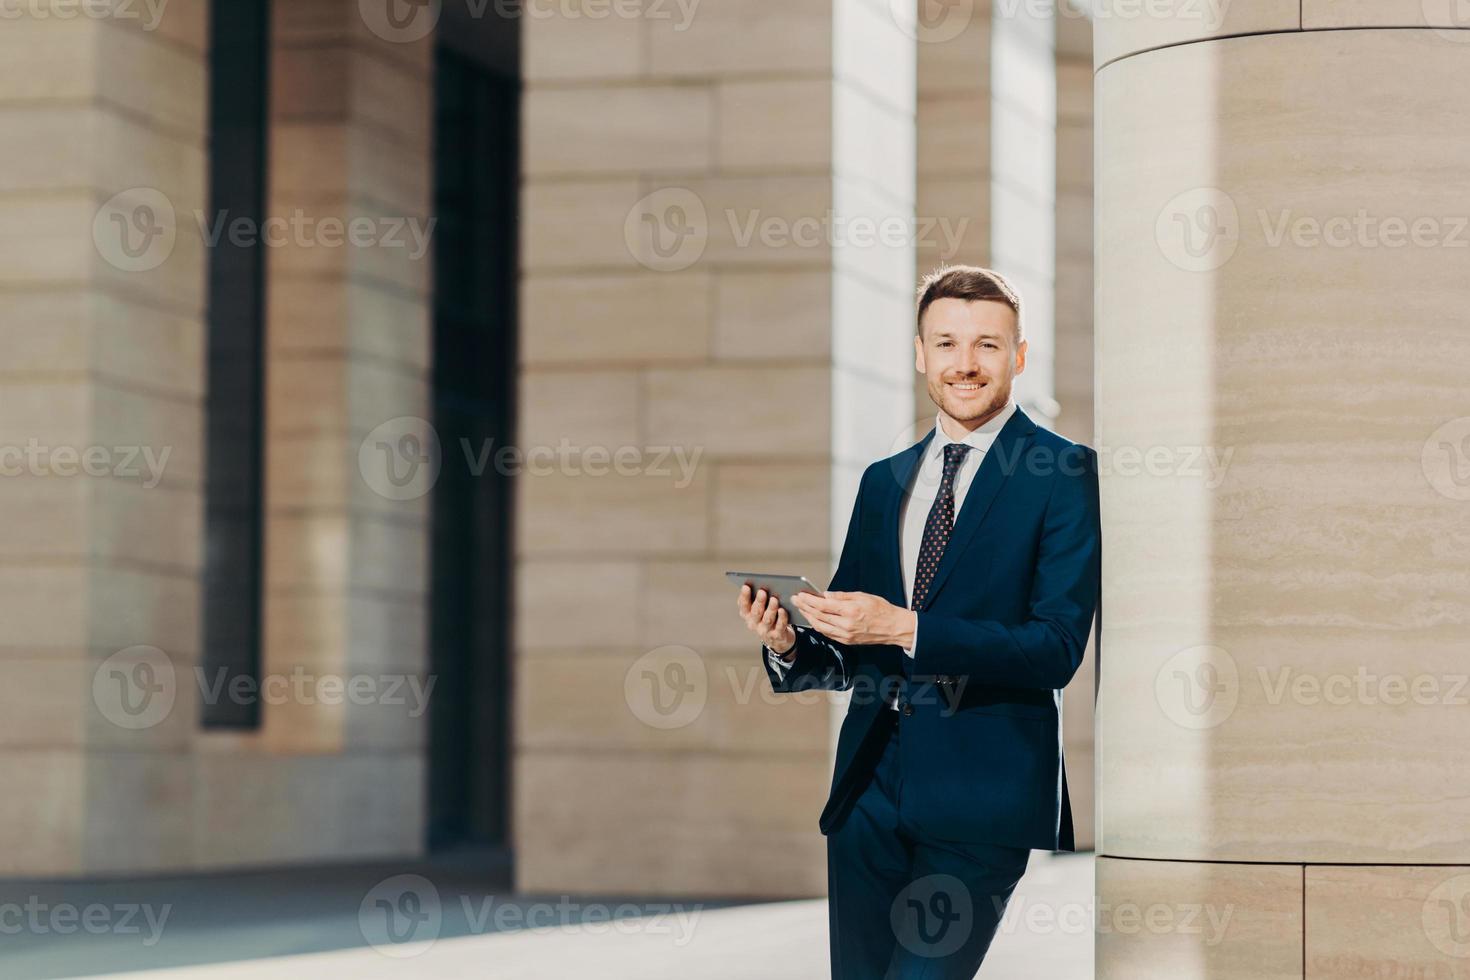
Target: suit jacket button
<point>908,709</point>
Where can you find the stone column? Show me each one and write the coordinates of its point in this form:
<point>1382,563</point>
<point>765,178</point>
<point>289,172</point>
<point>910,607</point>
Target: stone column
<point>689,301</point>
<point>102,124</point>
<point>348,340</point>
<point>1281,263</point>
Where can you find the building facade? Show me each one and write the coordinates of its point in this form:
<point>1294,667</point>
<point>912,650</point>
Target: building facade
<point>433,363</point>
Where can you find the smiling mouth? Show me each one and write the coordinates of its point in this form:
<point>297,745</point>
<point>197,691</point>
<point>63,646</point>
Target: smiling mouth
<point>966,385</point>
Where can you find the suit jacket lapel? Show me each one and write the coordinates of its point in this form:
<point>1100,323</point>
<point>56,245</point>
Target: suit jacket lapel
<point>1000,461</point>
<point>903,476</point>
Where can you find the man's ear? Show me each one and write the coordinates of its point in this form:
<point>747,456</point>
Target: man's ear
<point>919,354</point>
<point>1021,357</point>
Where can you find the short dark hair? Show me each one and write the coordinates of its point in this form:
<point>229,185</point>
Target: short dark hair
<point>967,282</point>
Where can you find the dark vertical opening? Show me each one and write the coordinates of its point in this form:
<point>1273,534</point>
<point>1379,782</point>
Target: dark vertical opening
<point>239,54</point>
<point>475,361</point>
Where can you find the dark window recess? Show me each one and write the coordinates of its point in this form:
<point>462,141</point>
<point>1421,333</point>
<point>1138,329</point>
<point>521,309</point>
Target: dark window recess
<point>475,191</point>
<point>238,86</point>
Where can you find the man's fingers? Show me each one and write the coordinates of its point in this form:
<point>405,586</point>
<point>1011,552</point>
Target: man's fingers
<point>755,607</point>
<point>768,621</point>
<point>828,626</point>
<point>824,604</point>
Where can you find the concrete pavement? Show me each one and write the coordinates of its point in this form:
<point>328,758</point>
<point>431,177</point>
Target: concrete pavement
<point>259,927</point>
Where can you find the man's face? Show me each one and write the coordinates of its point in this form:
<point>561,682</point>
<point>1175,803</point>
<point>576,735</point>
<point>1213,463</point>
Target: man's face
<point>967,350</point>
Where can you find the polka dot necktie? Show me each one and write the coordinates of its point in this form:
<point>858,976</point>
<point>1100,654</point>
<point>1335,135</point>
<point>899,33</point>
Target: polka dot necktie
<point>939,525</point>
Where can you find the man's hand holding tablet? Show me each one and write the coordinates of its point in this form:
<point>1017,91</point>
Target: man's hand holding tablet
<point>765,614</point>
<point>765,618</point>
<point>847,617</point>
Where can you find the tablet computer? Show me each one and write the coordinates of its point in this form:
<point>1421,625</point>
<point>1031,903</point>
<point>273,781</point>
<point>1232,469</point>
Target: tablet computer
<point>780,586</point>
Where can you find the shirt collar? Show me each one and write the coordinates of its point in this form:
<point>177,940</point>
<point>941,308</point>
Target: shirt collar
<point>980,438</point>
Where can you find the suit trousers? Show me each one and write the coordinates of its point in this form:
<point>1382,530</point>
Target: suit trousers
<point>902,906</point>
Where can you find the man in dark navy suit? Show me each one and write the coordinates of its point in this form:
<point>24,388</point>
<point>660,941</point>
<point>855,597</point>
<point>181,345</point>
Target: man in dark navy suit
<point>961,606</point>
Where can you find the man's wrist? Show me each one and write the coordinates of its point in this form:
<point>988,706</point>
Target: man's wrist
<point>788,656</point>
<point>906,626</point>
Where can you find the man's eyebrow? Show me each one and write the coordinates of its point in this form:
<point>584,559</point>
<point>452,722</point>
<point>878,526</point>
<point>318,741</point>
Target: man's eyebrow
<point>983,336</point>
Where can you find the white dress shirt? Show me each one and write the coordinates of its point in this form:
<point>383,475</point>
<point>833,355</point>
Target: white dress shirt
<point>919,500</point>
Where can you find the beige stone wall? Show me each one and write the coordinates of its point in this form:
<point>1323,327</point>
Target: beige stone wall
<point>101,352</point>
<point>1072,368</point>
<point>1281,259</point>
<point>766,362</point>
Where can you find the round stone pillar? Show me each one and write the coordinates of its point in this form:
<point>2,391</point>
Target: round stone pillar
<point>1283,422</point>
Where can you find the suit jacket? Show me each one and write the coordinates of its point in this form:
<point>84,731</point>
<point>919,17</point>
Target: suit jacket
<point>1002,631</point>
